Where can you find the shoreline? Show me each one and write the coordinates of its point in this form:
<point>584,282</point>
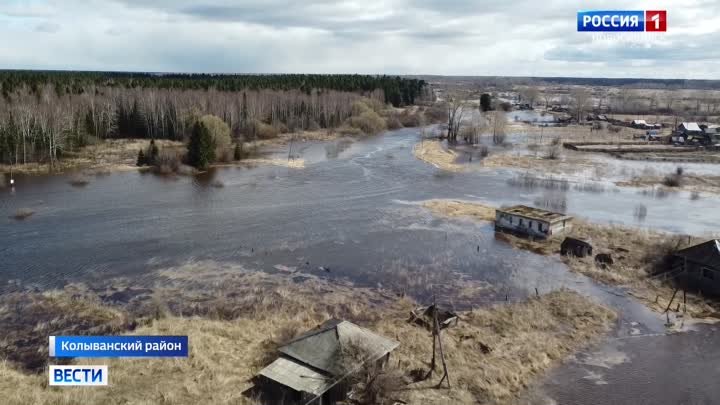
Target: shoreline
<point>631,267</point>
<point>120,155</point>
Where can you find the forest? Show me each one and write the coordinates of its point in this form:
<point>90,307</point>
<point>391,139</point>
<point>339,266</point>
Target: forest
<point>43,114</point>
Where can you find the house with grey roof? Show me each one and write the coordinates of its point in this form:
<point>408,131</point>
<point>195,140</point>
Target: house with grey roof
<point>530,221</point>
<point>313,368</point>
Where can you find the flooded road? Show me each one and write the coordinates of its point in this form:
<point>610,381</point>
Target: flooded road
<point>353,214</point>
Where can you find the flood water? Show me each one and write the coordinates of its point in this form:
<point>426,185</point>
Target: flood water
<point>353,214</point>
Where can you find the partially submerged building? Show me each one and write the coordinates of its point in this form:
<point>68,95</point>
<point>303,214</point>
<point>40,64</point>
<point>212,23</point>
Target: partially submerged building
<point>313,367</point>
<point>697,268</point>
<point>530,221</point>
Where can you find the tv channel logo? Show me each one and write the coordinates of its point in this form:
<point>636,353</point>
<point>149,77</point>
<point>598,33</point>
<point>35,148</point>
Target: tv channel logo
<point>78,375</point>
<point>622,21</point>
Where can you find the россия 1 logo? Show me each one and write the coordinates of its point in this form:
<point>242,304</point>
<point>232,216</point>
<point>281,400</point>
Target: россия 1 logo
<point>622,21</point>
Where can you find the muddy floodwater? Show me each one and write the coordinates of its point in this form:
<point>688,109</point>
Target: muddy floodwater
<point>353,213</point>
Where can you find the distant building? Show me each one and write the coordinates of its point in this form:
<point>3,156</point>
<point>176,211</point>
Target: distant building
<point>641,124</point>
<point>712,133</point>
<point>697,268</point>
<point>529,221</point>
<point>689,128</point>
<point>312,368</point>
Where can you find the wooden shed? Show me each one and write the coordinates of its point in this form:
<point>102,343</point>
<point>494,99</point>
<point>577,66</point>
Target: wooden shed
<point>313,367</point>
<point>575,247</point>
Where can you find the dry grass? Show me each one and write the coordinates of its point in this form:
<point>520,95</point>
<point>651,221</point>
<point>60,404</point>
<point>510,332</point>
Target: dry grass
<point>234,327</point>
<point>686,182</point>
<point>23,213</point>
<point>433,152</point>
<point>561,163</point>
<point>110,155</point>
<point>289,163</point>
<point>456,208</point>
<point>524,340</point>
<point>635,253</point>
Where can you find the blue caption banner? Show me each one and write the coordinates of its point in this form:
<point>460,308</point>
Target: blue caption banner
<point>118,346</point>
<point>611,21</point>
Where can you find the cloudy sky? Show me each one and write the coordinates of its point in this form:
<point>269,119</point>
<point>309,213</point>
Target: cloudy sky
<point>449,37</point>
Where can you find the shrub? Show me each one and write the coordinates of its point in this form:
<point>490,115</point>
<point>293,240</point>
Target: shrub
<point>282,128</point>
<point>263,130</point>
<point>614,128</point>
<point>393,122</point>
<point>167,162</point>
<point>313,125</point>
<point>219,130</point>
<point>408,119</point>
<point>672,180</point>
<point>553,152</point>
<point>152,153</point>
<point>436,113</point>
<point>369,123</point>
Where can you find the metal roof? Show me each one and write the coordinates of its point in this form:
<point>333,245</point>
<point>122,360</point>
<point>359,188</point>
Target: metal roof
<point>534,213</point>
<point>297,376</point>
<point>691,126</point>
<point>313,362</point>
<point>707,253</point>
<point>322,348</point>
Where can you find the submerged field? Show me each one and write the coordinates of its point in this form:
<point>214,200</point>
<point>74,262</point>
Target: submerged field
<point>636,253</point>
<point>234,254</point>
<point>235,319</point>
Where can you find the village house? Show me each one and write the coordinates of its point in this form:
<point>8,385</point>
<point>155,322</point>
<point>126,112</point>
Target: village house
<point>532,222</point>
<point>697,268</point>
<point>640,124</point>
<point>313,367</point>
<point>688,132</point>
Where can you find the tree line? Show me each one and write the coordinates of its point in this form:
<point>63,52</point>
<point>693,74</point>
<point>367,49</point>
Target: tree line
<point>397,91</point>
<point>39,122</point>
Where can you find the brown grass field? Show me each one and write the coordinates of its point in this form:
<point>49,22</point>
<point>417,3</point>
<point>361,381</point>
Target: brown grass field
<point>235,319</point>
<point>634,251</point>
<point>432,151</point>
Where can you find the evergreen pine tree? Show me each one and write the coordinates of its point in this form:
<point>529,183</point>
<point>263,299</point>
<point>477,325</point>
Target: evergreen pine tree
<point>201,151</point>
<point>237,155</point>
<point>153,153</point>
<point>485,102</point>
<point>141,161</point>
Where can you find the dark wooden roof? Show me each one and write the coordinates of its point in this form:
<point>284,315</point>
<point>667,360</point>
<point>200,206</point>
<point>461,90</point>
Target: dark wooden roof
<point>707,253</point>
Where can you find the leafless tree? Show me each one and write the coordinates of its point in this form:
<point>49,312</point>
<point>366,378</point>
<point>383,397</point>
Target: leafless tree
<point>456,110</point>
<point>499,122</point>
<point>581,100</point>
<point>529,94</point>
<point>547,97</point>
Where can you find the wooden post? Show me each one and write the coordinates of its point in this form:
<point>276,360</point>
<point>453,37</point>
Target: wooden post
<point>446,376</point>
<point>671,299</point>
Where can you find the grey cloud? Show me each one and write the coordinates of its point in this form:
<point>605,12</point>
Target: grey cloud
<point>48,27</point>
<point>623,51</point>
